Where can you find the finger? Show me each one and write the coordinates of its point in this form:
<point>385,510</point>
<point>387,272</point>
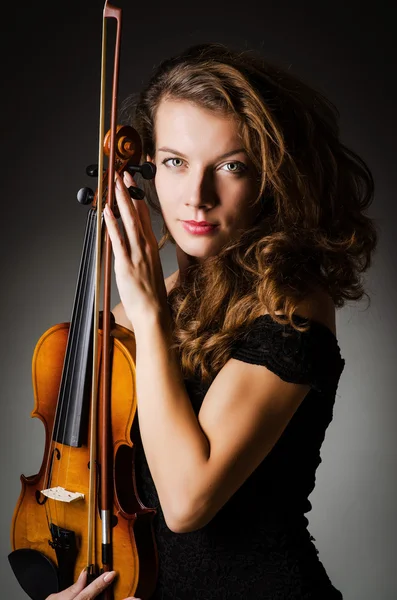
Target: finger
<point>119,249</point>
<point>97,586</point>
<point>146,222</point>
<point>130,218</point>
<point>128,179</point>
<point>142,209</point>
<point>121,191</point>
<point>73,591</point>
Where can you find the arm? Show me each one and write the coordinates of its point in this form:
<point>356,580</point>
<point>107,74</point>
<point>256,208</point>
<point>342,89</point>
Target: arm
<point>120,316</point>
<point>198,464</point>
<point>176,448</point>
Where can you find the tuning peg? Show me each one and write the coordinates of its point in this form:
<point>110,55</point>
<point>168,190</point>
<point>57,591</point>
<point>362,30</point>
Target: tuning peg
<point>136,193</point>
<point>85,195</point>
<point>92,170</point>
<point>146,169</point>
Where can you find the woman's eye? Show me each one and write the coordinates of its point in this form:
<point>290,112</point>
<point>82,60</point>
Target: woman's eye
<point>175,162</point>
<point>235,167</point>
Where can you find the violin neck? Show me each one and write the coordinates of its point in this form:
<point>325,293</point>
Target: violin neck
<point>74,393</point>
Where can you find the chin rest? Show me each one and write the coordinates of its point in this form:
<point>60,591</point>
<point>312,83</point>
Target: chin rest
<point>36,574</point>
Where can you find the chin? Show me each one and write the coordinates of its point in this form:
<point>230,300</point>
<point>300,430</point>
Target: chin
<point>200,254</point>
<point>199,250</point>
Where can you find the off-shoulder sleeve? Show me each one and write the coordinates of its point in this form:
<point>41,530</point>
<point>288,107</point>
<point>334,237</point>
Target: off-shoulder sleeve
<point>312,357</point>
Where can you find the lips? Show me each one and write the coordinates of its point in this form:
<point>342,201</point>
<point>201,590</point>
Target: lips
<point>200,223</point>
<point>199,227</point>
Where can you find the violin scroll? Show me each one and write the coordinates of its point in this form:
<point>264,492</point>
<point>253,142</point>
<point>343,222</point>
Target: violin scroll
<point>128,153</point>
<point>128,144</point>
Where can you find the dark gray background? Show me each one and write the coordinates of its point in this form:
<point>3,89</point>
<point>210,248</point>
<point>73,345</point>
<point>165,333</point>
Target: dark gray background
<point>49,120</point>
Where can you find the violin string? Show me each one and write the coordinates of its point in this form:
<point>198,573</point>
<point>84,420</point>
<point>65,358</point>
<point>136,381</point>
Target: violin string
<point>69,375</point>
<point>75,336</point>
<point>86,289</point>
<point>84,293</point>
<point>56,424</point>
<point>70,370</point>
<point>69,363</point>
<point>75,327</point>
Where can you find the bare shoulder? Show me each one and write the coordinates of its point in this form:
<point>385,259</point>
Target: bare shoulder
<point>119,311</point>
<point>318,306</point>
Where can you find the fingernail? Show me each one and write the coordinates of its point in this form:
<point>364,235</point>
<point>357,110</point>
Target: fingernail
<point>128,179</point>
<point>82,573</point>
<point>109,576</point>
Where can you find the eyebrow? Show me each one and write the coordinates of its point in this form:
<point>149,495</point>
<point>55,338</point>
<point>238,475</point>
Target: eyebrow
<point>172,151</point>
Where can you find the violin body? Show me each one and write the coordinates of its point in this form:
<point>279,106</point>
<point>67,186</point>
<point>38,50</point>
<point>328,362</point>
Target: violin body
<point>57,528</point>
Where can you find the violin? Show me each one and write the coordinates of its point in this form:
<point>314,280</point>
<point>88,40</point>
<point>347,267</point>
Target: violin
<point>82,509</point>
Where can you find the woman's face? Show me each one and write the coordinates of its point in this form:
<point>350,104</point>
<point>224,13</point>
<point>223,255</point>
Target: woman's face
<point>203,175</point>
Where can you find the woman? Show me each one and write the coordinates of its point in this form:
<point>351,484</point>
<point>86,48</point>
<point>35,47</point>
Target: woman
<point>266,208</point>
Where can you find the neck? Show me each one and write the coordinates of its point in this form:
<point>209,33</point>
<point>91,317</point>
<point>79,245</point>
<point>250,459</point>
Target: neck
<point>184,261</point>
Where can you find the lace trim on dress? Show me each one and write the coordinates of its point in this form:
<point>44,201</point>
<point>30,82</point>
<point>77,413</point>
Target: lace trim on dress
<point>312,357</point>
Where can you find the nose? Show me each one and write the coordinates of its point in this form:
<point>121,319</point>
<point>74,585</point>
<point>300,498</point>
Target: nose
<point>201,191</point>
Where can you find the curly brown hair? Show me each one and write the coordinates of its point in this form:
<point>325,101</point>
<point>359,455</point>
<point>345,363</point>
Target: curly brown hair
<point>311,232</point>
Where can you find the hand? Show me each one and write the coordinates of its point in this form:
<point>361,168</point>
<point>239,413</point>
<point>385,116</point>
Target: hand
<point>78,591</point>
<point>137,265</point>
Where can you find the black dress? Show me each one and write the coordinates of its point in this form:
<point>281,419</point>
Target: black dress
<point>258,547</point>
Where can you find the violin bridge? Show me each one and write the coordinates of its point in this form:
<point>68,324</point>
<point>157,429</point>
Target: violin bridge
<point>59,493</point>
